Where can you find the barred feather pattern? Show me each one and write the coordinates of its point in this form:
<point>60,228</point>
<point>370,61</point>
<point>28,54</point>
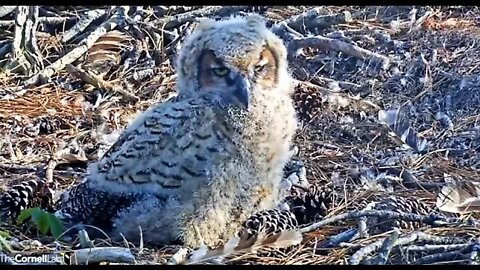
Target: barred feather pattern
<point>311,204</point>
<point>27,194</point>
<point>84,204</point>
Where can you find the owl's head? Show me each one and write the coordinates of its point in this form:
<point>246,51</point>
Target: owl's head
<point>237,54</point>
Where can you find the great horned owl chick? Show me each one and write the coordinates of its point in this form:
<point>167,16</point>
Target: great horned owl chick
<point>195,167</point>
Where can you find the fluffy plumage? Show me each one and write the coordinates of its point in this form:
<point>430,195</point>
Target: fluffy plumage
<point>195,167</point>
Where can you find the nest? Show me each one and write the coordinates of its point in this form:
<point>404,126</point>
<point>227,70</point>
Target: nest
<point>416,65</point>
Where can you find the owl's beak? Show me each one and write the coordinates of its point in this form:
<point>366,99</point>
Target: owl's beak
<point>242,90</point>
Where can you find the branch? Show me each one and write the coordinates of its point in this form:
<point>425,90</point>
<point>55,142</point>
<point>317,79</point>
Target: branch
<point>312,19</point>
<point>83,23</point>
<point>388,244</point>
<point>442,257</point>
<point>429,220</point>
<point>358,256</point>
<point>49,20</point>
<point>5,10</point>
<point>325,43</point>
<point>191,16</point>
<point>98,82</point>
<point>70,57</point>
<point>102,254</point>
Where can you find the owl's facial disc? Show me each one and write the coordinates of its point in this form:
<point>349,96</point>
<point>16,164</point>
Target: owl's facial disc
<point>237,78</point>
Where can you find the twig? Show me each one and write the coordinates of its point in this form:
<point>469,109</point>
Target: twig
<point>311,19</point>
<point>339,98</point>
<point>14,168</point>
<point>5,49</point>
<point>49,171</point>
<point>358,256</point>
<point>441,257</point>
<point>191,16</point>
<point>102,254</point>
<point>85,44</point>
<point>430,219</point>
<point>337,240</point>
<point>386,248</point>
<point>179,257</point>
<point>85,241</point>
<point>435,248</point>
<point>98,82</point>
<point>325,43</point>
<point>474,258</point>
<point>49,20</point>
<point>83,23</point>
<point>5,10</point>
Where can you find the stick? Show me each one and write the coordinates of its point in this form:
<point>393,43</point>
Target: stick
<point>49,170</point>
<point>325,43</point>
<point>14,168</point>
<point>430,219</point>
<point>441,257</point>
<point>49,20</point>
<point>87,43</point>
<point>436,248</point>
<point>98,82</point>
<point>311,19</point>
<point>83,23</point>
<point>339,99</point>
<point>179,257</point>
<point>5,10</point>
<point>358,256</point>
<point>386,248</point>
<point>191,16</point>
<point>102,254</point>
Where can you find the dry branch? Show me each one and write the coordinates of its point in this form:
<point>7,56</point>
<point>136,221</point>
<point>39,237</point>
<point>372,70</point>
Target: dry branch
<point>102,254</point>
<point>83,23</point>
<point>85,44</point>
<point>442,257</point>
<point>329,44</point>
<point>358,256</point>
<point>425,219</point>
<point>49,20</point>
<point>26,57</point>
<point>98,82</point>
<point>191,16</point>
<point>5,10</point>
<point>312,19</point>
<point>388,244</point>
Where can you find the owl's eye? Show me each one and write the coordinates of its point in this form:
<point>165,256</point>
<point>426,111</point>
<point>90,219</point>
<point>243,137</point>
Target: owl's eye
<point>221,71</point>
<point>260,68</point>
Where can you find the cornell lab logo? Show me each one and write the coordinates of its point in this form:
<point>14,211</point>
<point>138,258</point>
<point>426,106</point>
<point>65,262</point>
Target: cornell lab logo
<point>60,258</point>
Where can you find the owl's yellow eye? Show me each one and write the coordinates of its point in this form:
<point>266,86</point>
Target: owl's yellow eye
<point>220,72</point>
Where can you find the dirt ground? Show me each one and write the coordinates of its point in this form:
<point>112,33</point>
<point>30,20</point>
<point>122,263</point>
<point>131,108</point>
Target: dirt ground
<point>354,64</point>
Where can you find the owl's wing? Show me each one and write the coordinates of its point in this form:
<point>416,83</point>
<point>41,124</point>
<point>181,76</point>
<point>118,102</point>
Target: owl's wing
<point>166,147</point>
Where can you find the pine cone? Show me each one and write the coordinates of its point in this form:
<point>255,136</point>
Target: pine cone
<point>308,102</point>
<point>270,221</point>
<point>399,205</point>
<point>312,204</point>
<point>28,194</point>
